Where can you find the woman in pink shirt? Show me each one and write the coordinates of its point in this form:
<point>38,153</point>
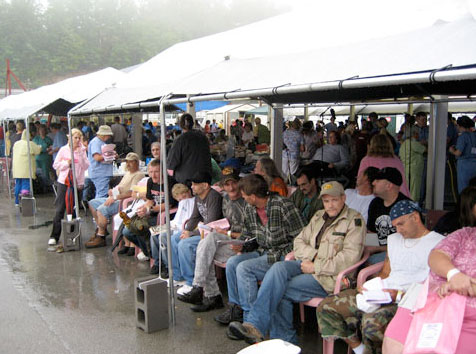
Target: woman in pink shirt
<point>453,269</point>
<point>62,165</point>
<point>380,154</point>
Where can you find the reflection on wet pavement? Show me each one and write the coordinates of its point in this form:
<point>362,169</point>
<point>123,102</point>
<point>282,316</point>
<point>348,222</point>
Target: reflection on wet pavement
<point>83,301</point>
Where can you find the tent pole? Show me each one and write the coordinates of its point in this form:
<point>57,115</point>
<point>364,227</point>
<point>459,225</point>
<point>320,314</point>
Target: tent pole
<point>27,127</point>
<point>163,153</point>
<point>435,179</point>
<point>5,126</point>
<point>73,168</point>
<point>277,136</point>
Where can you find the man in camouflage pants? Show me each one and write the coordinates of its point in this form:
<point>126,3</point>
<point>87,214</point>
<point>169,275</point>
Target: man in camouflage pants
<point>342,307</point>
<point>406,263</point>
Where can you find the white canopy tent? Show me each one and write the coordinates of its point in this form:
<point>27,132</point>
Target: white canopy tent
<point>58,97</point>
<point>287,41</point>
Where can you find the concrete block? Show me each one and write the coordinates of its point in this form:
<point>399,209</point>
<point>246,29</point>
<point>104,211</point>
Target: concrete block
<point>151,304</point>
<point>71,235</point>
<point>27,206</point>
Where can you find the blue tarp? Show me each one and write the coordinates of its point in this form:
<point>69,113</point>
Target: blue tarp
<point>203,106</point>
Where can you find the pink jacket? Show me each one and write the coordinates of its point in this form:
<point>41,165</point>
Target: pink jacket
<point>381,162</point>
<point>61,163</point>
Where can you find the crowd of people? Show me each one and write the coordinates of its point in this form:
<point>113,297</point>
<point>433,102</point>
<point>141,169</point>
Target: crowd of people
<point>282,238</point>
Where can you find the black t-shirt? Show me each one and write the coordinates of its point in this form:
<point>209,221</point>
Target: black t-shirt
<point>155,192</point>
<point>379,218</point>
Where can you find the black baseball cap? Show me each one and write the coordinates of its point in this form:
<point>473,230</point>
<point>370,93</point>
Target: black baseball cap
<point>390,174</point>
<point>201,177</point>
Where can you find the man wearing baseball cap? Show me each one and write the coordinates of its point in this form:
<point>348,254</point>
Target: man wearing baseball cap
<point>103,209</point>
<point>331,242</point>
<point>406,263</point>
<point>207,208</point>
<point>386,188</point>
<point>100,171</point>
<point>205,294</point>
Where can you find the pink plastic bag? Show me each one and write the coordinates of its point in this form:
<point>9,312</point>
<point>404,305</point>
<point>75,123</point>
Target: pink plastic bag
<point>436,327</point>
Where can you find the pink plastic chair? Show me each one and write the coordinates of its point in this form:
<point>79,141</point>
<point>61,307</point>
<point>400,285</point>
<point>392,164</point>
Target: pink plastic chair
<point>314,302</point>
<point>328,344</point>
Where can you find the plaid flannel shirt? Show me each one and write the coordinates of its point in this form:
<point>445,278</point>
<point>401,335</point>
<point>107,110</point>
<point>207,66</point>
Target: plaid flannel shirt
<point>284,224</point>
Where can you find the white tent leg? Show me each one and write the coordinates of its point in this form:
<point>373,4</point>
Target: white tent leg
<point>435,178</point>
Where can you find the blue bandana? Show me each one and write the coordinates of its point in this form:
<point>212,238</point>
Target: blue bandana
<point>403,207</point>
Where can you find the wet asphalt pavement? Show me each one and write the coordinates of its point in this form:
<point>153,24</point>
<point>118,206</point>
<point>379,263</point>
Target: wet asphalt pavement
<point>83,301</point>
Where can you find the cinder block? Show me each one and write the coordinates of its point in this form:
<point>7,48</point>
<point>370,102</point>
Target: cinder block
<point>27,206</point>
<point>71,235</point>
<point>151,304</point>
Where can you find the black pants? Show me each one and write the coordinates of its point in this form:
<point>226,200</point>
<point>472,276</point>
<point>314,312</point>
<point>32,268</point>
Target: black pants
<point>60,204</point>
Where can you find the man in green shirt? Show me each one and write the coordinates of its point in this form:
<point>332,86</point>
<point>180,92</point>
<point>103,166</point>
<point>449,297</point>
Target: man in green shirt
<point>262,132</point>
<point>306,197</point>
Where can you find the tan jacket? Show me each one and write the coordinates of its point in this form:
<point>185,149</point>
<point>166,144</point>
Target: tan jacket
<point>341,245</point>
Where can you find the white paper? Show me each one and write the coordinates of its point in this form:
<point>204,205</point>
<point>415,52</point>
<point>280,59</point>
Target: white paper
<point>108,152</point>
<point>377,297</point>
<point>363,305</point>
<point>159,229</point>
<point>115,192</point>
<point>429,335</point>
<point>373,284</point>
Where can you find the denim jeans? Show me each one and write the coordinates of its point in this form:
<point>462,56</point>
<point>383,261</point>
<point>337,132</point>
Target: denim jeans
<point>174,239</point>
<point>377,258</point>
<point>282,285</point>
<point>155,248</point>
<point>187,250</point>
<point>208,250</point>
<point>102,186</point>
<point>248,274</point>
<point>21,184</point>
<point>231,277</point>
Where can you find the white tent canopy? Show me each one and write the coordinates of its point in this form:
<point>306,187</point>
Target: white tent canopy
<point>444,44</point>
<point>284,50</point>
<point>70,91</point>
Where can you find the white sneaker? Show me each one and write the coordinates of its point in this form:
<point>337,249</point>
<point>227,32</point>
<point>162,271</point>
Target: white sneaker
<point>51,242</point>
<point>142,257</point>
<point>176,283</point>
<point>185,289</point>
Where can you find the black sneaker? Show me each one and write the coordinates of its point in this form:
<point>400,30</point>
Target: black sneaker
<point>123,250</point>
<point>233,313</point>
<point>194,296</point>
<point>164,272</point>
<point>131,251</point>
<point>209,303</point>
<point>154,269</point>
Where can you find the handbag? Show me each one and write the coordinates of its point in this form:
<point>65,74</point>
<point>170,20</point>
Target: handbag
<point>436,327</point>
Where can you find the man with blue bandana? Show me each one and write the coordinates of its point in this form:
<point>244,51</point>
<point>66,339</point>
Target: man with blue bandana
<point>406,263</point>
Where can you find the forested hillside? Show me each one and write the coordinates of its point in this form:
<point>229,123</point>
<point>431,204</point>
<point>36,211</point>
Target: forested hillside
<point>49,40</point>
